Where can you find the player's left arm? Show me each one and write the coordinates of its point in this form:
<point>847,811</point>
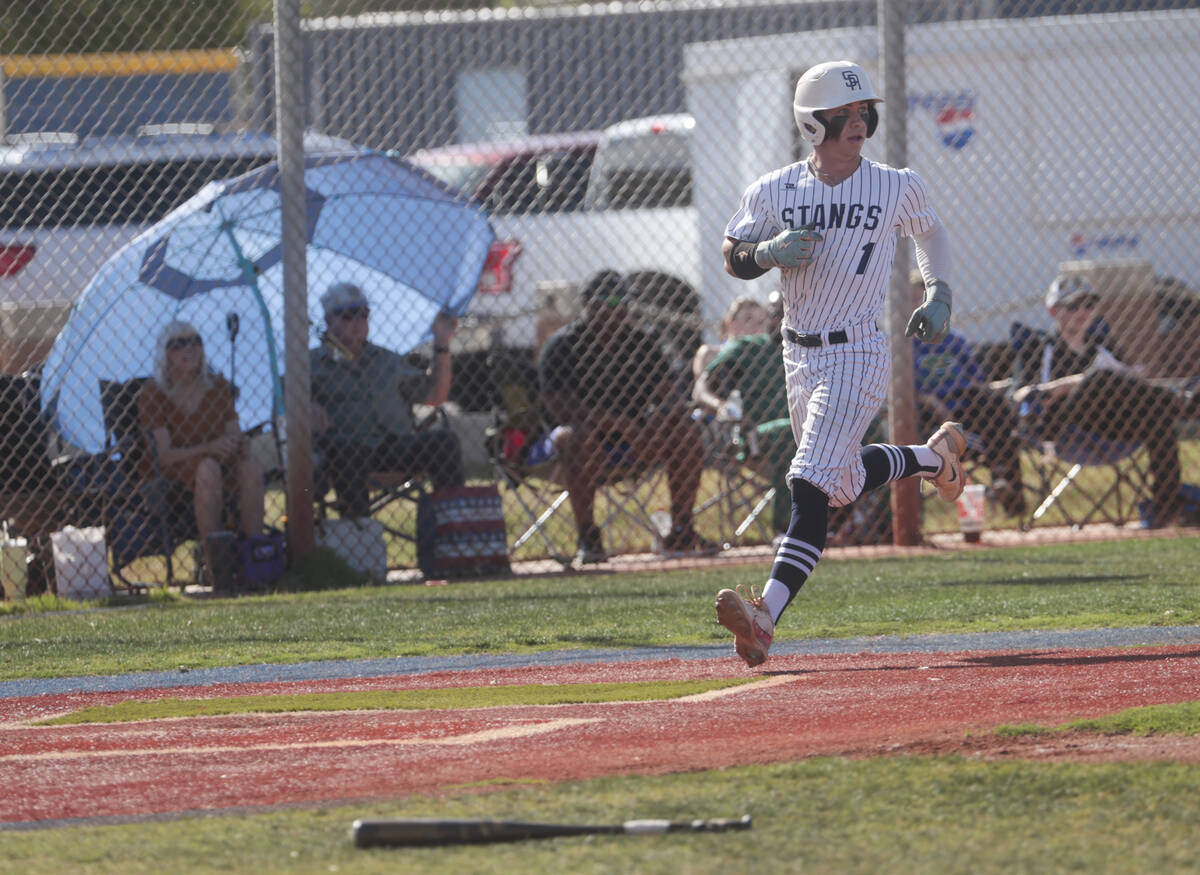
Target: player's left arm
<point>931,320</point>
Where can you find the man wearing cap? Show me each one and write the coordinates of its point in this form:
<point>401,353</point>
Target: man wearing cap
<point>1083,384</point>
<point>362,403</point>
<point>606,385</point>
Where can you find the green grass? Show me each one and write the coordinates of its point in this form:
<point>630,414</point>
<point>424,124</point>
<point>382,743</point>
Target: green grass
<point>1127,583</point>
<point>412,700</point>
<point>1181,718</point>
<point>896,815</point>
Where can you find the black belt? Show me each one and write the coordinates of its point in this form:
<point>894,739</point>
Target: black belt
<point>838,336</point>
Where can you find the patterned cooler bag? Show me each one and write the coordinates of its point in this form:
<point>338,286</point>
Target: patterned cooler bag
<point>461,533</point>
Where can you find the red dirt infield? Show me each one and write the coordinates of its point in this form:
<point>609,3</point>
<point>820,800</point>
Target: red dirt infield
<point>848,705</point>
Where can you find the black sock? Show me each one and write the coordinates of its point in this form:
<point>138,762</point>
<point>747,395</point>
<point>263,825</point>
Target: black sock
<point>886,463</point>
<point>801,547</point>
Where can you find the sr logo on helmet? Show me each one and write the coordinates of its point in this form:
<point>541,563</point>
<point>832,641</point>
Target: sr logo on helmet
<point>828,86</point>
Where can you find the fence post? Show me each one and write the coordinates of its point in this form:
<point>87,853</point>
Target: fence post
<point>906,497</point>
<point>289,134</point>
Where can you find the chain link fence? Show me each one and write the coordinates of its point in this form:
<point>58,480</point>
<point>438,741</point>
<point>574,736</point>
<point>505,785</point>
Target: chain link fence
<point>525,351</point>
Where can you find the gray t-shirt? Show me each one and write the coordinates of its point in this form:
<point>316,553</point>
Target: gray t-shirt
<point>369,398</point>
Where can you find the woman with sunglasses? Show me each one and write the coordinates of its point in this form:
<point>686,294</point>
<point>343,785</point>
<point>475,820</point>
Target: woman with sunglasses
<point>189,412</point>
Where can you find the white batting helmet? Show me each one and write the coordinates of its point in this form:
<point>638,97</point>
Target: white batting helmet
<point>828,86</point>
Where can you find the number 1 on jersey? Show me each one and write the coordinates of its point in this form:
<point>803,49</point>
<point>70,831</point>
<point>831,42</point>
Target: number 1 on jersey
<point>866,256</point>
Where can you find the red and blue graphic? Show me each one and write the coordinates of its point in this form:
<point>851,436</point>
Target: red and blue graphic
<point>956,124</point>
<point>953,115</point>
<point>1118,243</point>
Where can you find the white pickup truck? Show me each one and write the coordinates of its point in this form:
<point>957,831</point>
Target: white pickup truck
<point>564,206</point>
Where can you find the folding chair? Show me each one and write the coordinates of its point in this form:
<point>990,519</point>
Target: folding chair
<point>745,490</point>
<point>1119,478</point>
<point>519,449</point>
<point>385,489</point>
<point>1112,497</point>
<point>143,517</point>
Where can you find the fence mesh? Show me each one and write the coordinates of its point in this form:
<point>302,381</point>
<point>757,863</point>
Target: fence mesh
<point>526,350</point>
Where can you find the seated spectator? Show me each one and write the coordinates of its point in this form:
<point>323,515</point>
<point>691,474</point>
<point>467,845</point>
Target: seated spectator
<point>189,412</point>
<point>752,364</point>
<point>1082,384</point>
<point>606,385</point>
<point>743,317</point>
<point>951,385</point>
<point>362,397</point>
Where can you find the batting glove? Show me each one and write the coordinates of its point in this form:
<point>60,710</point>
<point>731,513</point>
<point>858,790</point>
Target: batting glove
<point>931,321</point>
<point>788,249</point>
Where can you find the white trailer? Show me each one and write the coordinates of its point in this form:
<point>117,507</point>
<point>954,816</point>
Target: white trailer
<point>1042,141</point>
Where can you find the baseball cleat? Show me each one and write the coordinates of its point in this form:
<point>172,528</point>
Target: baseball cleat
<point>949,443</point>
<point>749,621</point>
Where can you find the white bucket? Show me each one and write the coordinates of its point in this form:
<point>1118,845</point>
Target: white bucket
<point>971,511</point>
<point>358,541</point>
<point>13,573</point>
<point>81,563</point>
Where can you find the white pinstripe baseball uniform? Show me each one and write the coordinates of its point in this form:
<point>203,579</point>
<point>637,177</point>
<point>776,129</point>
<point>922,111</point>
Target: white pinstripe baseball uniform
<point>836,389</point>
<point>834,244</point>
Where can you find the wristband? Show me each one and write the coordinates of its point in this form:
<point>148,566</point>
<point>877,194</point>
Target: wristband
<point>445,349</point>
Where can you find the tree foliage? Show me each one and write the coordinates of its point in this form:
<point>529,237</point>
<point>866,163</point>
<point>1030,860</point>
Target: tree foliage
<point>40,27</point>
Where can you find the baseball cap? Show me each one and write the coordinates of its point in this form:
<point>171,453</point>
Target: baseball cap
<point>1067,290</point>
<point>606,286</point>
<point>343,296</point>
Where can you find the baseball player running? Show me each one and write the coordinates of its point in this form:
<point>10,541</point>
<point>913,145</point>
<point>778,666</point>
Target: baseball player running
<point>830,224</point>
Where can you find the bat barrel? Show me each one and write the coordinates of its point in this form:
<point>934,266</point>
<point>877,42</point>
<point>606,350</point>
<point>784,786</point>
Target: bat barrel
<point>420,831</point>
<point>432,831</point>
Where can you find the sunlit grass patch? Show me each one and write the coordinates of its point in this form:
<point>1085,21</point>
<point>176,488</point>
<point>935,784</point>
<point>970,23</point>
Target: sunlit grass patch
<point>1182,718</point>
<point>390,700</point>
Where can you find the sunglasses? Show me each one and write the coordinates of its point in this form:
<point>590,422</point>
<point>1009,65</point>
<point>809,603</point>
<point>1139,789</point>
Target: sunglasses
<point>609,301</point>
<point>184,342</point>
<point>351,313</point>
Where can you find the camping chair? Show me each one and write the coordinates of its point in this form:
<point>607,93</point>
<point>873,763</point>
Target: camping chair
<point>625,494</point>
<point>740,505</point>
<point>519,449</point>
<point>1112,498</point>
<point>1121,478</point>
<point>142,516</point>
<point>385,490</point>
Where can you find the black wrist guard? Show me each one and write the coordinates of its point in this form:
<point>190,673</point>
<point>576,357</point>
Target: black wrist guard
<point>742,263</point>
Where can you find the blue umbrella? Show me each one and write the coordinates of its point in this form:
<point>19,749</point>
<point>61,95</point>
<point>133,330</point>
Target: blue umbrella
<point>412,244</point>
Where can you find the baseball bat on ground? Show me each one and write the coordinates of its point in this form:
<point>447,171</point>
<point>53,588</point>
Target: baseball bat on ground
<point>417,831</point>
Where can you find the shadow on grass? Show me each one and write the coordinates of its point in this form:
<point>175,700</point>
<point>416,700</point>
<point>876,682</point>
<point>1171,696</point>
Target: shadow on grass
<point>1055,580</point>
<point>1008,660</point>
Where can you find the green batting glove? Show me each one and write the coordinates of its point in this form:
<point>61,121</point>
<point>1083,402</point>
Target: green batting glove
<point>931,321</point>
<point>792,248</point>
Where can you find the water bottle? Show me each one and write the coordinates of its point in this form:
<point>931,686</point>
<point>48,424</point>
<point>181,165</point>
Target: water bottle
<point>752,443</point>
<point>733,406</point>
<point>661,521</point>
<point>733,414</point>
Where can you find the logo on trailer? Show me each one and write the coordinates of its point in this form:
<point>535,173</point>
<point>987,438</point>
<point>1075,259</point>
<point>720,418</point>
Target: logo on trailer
<point>1116,244</point>
<point>956,125</point>
<point>953,115</point>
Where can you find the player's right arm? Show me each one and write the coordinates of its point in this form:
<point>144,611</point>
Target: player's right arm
<point>739,259</point>
<point>755,238</point>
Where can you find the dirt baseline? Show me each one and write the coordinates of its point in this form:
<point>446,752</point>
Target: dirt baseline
<point>802,706</point>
